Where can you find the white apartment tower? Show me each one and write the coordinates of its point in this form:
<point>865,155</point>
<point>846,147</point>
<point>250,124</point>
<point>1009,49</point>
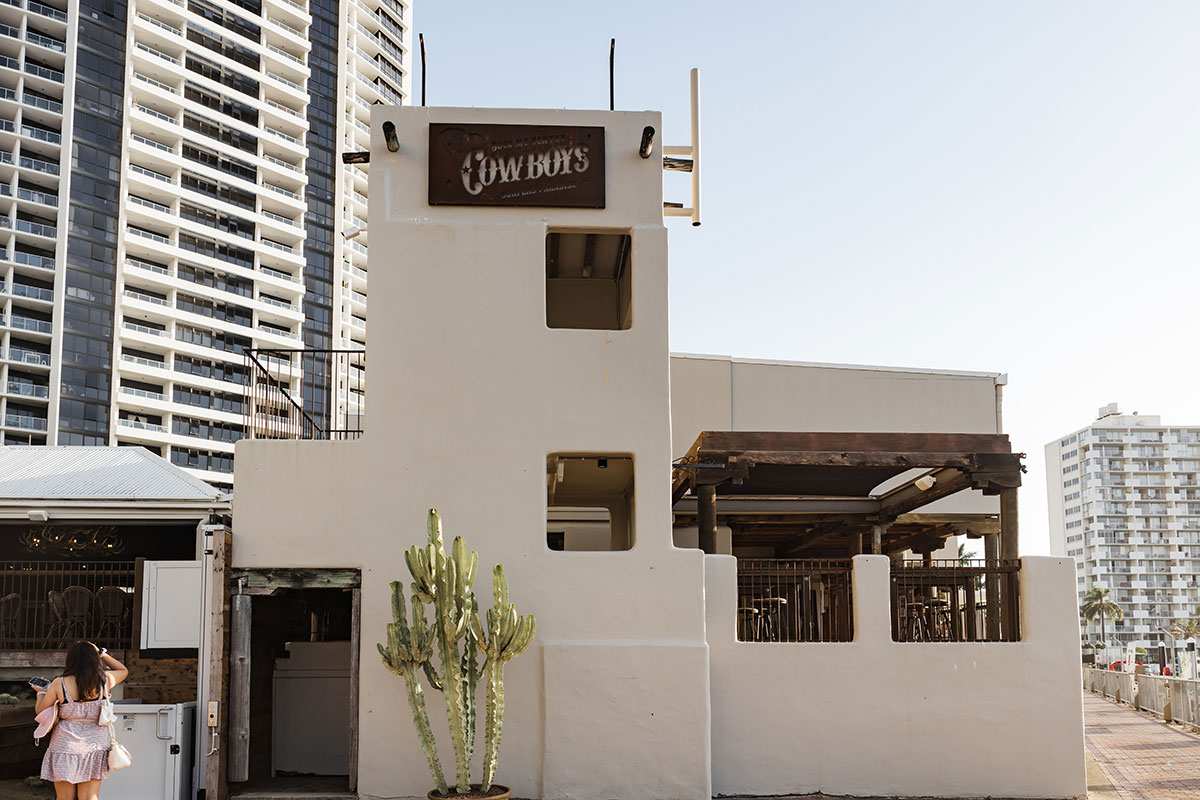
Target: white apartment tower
<point>171,196</point>
<point>1124,501</point>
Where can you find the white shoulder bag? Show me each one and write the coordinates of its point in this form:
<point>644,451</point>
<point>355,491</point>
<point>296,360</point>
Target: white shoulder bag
<point>107,717</point>
<point>118,756</point>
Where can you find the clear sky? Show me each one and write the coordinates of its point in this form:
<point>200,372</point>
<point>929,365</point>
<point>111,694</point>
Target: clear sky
<point>996,186</point>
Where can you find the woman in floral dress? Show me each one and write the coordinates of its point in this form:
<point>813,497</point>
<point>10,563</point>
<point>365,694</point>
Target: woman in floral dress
<point>77,758</point>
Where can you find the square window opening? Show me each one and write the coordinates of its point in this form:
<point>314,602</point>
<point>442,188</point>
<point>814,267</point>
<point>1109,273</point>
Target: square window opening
<point>589,502</point>
<point>589,280</point>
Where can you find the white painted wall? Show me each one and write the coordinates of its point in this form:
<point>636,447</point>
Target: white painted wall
<point>469,393</point>
<point>881,718</point>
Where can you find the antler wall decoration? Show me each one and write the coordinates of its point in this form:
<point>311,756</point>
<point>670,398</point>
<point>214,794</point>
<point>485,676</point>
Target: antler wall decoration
<point>72,541</point>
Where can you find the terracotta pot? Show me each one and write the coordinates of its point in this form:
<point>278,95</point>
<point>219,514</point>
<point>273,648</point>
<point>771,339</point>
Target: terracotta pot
<point>497,792</point>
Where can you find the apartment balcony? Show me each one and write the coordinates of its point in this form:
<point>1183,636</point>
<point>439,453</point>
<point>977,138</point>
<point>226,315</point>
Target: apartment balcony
<point>26,356</point>
<point>286,62</point>
<point>27,422</point>
<point>30,325</point>
<point>285,35</point>
<point>134,399</point>
<point>358,300</point>
<point>27,389</point>
<point>296,14</point>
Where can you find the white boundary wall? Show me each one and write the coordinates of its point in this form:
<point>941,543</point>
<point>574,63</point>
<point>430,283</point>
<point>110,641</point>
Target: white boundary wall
<point>877,717</point>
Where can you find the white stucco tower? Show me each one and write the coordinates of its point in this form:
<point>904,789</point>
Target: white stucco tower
<point>519,359</point>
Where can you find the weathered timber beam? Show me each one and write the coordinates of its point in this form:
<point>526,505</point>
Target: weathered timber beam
<point>919,542</point>
<point>298,578</point>
<point>781,506</point>
<point>820,458</point>
<point>714,442</point>
<point>908,497</point>
<point>820,535</point>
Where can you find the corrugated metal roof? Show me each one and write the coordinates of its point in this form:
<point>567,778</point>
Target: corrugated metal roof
<point>95,473</point>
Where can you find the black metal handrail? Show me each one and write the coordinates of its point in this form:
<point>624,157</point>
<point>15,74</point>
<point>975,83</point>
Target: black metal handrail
<point>304,394</point>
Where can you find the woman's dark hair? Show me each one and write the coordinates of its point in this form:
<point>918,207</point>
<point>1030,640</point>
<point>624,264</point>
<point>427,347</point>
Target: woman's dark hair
<point>83,664</point>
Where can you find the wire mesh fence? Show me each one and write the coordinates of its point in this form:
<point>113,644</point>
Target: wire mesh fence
<point>794,600</point>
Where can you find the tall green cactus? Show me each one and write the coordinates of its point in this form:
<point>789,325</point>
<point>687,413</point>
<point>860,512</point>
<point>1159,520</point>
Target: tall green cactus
<point>445,582</point>
<point>407,649</point>
<point>508,635</point>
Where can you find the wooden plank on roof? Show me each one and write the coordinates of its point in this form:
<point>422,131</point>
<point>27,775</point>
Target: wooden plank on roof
<point>732,441</point>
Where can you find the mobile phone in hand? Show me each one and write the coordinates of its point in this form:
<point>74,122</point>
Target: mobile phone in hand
<point>39,683</point>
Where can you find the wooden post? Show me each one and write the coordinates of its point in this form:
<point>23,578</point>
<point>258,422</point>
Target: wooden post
<point>706,516</point>
<point>1010,536</point>
<point>355,644</point>
<point>139,583</point>
<point>215,777</point>
<point>877,539</point>
<point>991,587</point>
<point>972,622</point>
<point>239,689</point>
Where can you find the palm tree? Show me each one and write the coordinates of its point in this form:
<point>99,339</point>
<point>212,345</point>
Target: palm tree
<point>1187,628</point>
<point>965,557</point>
<point>1096,604</point>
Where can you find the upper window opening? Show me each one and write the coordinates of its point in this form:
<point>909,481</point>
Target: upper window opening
<point>589,501</point>
<point>588,281</point>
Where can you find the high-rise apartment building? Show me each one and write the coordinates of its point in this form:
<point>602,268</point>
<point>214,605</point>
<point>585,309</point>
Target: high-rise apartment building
<point>1124,500</point>
<point>171,195</point>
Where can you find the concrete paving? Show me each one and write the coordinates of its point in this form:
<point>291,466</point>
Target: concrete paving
<point>1144,758</point>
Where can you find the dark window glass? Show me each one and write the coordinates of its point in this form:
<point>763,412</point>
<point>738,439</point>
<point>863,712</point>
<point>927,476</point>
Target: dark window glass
<point>226,19</point>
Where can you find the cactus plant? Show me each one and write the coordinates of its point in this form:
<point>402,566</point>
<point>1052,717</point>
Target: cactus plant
<point>445,583</point>
<point>407,650</point>
<point>508,635</point>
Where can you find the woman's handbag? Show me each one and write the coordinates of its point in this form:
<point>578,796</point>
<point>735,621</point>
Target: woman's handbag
<point>118,756</point>
<point>107,716</point>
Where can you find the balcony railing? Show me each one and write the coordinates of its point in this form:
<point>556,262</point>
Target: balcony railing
<point>47,605</point>
<point>794,600</point>
<point>287,389</point>
<point>956,601</point>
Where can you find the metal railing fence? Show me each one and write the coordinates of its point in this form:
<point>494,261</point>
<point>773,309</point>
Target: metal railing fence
<point>794,600</point>
<point>956,601</point>
<point>47,605</point>
<point>1173,699</point>
<point>305,394</point>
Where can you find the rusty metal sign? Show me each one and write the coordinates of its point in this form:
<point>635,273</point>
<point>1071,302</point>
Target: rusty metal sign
<point>559,166</point>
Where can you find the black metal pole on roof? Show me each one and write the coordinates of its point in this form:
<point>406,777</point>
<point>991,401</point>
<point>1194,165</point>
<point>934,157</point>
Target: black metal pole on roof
<point>612,56</point>
<point>421,37</point>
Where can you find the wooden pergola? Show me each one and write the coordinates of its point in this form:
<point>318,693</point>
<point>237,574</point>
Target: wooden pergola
<point>817,495</point>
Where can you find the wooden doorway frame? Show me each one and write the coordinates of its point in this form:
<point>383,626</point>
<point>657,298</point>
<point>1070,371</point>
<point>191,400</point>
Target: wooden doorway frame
<point>245,585</point>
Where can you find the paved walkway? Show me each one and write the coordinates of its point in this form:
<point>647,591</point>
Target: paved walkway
<point>1144,758</point>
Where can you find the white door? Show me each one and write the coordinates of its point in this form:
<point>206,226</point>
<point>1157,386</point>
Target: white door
<point>172,604</point>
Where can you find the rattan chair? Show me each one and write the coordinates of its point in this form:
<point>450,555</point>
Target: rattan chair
<point>56,631</point>
<point>79,601</point>
<point>10,615</point>
<point>110,600</point>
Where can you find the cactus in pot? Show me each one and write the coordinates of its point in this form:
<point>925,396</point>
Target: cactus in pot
<point>455,632</point>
